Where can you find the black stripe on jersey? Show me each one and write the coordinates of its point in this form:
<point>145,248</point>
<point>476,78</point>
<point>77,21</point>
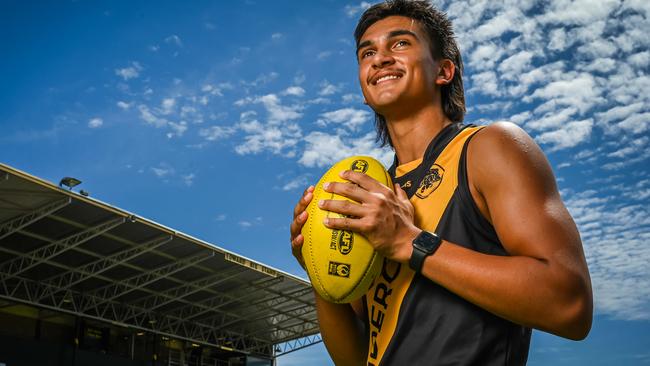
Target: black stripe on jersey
<point>438,327</point>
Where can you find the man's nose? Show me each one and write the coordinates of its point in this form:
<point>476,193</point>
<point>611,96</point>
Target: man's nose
<point>382,59</point>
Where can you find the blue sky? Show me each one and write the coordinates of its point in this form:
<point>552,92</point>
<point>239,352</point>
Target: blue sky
<point>212,117</point>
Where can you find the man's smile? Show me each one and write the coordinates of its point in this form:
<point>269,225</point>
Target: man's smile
<point>384,76</point>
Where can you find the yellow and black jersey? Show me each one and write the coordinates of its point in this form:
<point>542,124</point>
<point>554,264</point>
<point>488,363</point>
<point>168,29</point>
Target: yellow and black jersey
<point>412,320</point>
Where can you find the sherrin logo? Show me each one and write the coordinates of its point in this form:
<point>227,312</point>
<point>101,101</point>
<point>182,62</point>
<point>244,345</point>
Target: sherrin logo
<point>360,166</point>
<point>339,269</point>
<point>430,182</point>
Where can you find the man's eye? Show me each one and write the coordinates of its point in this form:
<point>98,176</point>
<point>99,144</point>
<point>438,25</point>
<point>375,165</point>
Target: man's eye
<point>401,43</point>
<point>367,53</point>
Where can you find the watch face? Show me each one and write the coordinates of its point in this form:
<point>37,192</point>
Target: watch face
<point>426,241</point>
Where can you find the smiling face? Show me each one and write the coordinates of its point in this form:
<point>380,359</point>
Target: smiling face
<point>396,69</point>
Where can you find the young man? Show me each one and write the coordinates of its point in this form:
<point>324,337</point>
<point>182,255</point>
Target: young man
<point>479,246</point>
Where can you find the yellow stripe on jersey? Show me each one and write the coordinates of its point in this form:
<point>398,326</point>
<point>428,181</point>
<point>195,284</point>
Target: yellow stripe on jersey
<point>385,296</point>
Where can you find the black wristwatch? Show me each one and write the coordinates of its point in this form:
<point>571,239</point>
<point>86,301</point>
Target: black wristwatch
<point>424,245</point>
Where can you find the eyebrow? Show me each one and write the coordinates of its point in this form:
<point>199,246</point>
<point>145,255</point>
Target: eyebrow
<point>392,34</point>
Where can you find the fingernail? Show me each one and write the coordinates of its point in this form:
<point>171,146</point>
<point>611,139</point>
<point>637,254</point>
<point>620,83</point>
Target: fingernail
<point>326,185</point>
<point>343,173</point>
<point>326,221</point>
<point>321,203</point>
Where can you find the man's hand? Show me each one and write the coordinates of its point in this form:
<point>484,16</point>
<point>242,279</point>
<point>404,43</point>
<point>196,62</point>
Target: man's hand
<point>384,217</point>
<point>299,219</point>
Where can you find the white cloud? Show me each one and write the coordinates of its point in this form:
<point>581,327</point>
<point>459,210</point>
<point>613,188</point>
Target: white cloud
<point>640,59</point>
<point>615,239</point>
<point>496,26</point>
<point>129,72</point>
<point>124,105</point>
<point>299,182</point>
<point>276,36</point>
<point>328,89</point>
<point>352,10</point>
<point>167,106</point>
<point>95,122</point>
<point>323,55</point>
<point>580,12</point>
<point>150,118</point>
<point>175,40</point>
<point>277,140</point>
<point>294,90</point>
<point>485,56</point>
<point>188,179</point>
<point>348,117</point>
<point>325,149</point>
<point>580,91</point>
<point>163,170</point>
<point>569,135</point>
<point>514,65</point>
<point>278,112</point>
<point>177,129</point>
<point>552,119</point>
<point>352,98</point>
<point>485,83</point>
<point>558,40</point>
<point>214,133</point>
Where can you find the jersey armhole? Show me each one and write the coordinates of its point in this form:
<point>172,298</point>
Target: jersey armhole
<point>467,201</point>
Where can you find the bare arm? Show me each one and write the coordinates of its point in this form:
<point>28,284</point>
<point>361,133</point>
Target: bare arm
<point>544,283</point>
<point>340,324</point>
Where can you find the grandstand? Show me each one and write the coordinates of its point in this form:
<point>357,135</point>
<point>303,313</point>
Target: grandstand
<point>86,283</point>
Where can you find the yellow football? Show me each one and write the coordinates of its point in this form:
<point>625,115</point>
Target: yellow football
<point>341,264</point>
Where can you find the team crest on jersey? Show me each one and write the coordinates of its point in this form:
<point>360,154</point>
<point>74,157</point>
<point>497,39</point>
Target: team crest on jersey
<point>430,182</point>
<point>360,166</point>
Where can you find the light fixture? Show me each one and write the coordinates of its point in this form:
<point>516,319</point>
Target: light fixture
<point>69,182</point>
<point>84,193</point>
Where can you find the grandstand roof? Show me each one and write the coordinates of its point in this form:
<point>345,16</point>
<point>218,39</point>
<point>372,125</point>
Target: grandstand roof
<point>63,251</point>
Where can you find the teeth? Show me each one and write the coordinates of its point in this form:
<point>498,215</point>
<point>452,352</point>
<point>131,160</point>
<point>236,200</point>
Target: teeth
<point>387,77</point>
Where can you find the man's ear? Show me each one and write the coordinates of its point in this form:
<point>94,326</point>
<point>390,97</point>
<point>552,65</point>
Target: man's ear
<point>446,72</point>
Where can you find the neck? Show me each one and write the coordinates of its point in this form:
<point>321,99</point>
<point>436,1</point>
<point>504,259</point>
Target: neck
<point>412,134</point>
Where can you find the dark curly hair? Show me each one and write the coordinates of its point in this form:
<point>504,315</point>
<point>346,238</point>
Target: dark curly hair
<point>443,45</point>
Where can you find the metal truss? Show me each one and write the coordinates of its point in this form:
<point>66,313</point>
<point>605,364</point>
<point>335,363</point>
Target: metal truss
<point>9,227</point>
<point>297,344</point>
<point>123,287</point>
<point>68,279</point>
<point>173,294</point>
<point>258,314</point>
<point>18,265</point>
<point>16,288</point>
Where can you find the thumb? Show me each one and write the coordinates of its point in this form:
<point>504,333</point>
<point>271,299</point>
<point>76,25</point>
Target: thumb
<point>401,194</point>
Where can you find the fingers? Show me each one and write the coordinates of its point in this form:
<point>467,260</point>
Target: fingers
<point>363,180</point>
<point>296,249</point>
<point>307,195</point>
<point>349,190</point>
<point>298,223</point>
<point>345,223</point>
<point>343,207</point>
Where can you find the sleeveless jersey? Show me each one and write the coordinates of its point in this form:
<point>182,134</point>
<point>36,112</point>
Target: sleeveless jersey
<point>414,321</point>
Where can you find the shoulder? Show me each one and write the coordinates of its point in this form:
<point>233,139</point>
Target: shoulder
<point>501,137</point>
<point>503,154</point>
